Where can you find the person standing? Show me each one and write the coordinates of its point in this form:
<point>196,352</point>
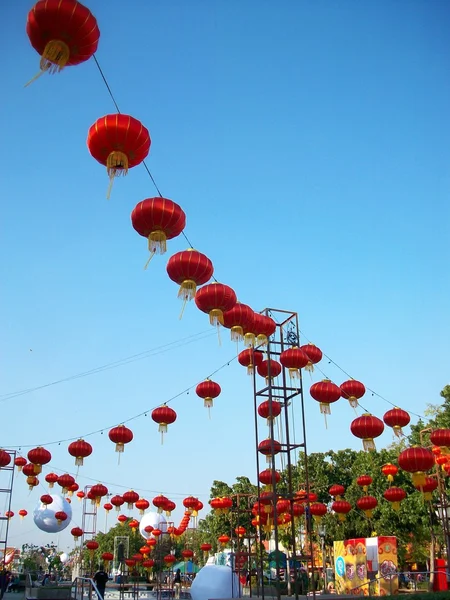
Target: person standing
<point>101,578</point>
<point>177,583</point>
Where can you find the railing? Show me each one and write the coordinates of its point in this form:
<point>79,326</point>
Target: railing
<point>83,588</point>
<point>414,581</point>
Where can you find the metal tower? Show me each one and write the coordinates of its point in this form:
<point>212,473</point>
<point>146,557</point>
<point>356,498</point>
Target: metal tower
<point>6,490</point>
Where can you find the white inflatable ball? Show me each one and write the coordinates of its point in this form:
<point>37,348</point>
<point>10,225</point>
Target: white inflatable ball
<point>156,520</point>
<point>215,581</point>
<point>44,515</point>
<point>63,558</point>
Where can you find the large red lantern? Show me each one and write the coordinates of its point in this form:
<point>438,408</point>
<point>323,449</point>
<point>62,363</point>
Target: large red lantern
<point>20,462</point>
<point>208,390</point>
<point>336,491</point>
<point>5,459</point>
<point>164,416</point>
<point>364,481</point>
<point>367,504</point>
<point>352,391</point>
<point>46,499</point>
<point>395,495</point>
<point>63,32</point>
<point>326,392</point>
<point>389,471</point>
<point>51,479</point>
<point>269,369</point>
<point>65,481</point>
<point>367,427</point>
<point>264,327</point>
<point>28,470</point>
<point>142,504</point>
<point>215,299</point>
<point>269,448</point>
<point>250,358</point>
<point>60,516</point>
<point>160,503</point>
<point>189,269</point>
<point>341,508</point>
<point>427,488</point>
<point>77,532</point>
<point>39,456</point>
<point>238,319</point>
<point>269,409</point>
<point>98,491</point>
<point>268,476</point>
<point>313,353</point>
<point>294,359</point>
<point>130,498</point>
<point>441,438</point>
<point>119,142</point>
<point>80,449</point>
<point>318,510</point>
<point>416,460</point>
<point>158,220</point>
<point>396,418</point>
<point>120,436</point>
<point>187,554</point>
<point>117,501</point>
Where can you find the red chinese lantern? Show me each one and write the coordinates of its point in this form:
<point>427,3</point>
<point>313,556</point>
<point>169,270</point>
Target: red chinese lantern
<point>446,468</point>
<point>170,506</point>
<point>122,519</point>
<point>352,391</point>
<point>119,142</point>
<point>441,438</point>
<point>367,427</point>
<point>298,509</point>
<point>240,531</point>
<point>39,456</point>
<point>336,491</point>
<point>264,327</point>
<point>189,269</point>
<point>77,532</point>
<point>158,220</point>
<point>215,299</point>
<point>318,510</point>
<point>130,562</point>
<point>169,559</point>
<point>427,488</point>
<point>9,514</point>
<point>364,481</point>
<point>28,470</point>
<point>46,499</point>
<point>205,548</point>
<point>80,450</point>
<point>5,459</point>
<point>223,539</point>
<point>23,513</point>
<point>120,436</point>
<point>156,532</point>
<point>80,496</point>
<point>108,506</point>
<point>326,393</point>
<point>160,503</point>
<point>208,390</point>
<point>269,409</point>
<point>148,564</point>
<point>341,508</point>
<point>164,416</point>
<point>442,460</point>
<point>130,498</point>
<point>227,504</point>
<point>389,470</point>
<point>416,460</point>
<point>73,488</point>
<point>92,546</point>
<point>134,525</point>
<point>60,516</point>
<point>269,369</point>
<point>269,448</point>
<point>294,360</point>
<point>145,550</point>
<point>395,495</point>
<point>51,479</point>
<point>107,557</point>
<point>65,481</point>
<point>396,418</point>
<point>20,462</point>
<point>238,320</point>
<point>187,554</point>
<point>98,491</point>
<point>117,501</point>
<point>142,504</point>
<point>367,504</point>
<point>190,503</point>
<point>313,353</point>
<point>436,450</point>
<point>267,476</point>
<point>250,358</point>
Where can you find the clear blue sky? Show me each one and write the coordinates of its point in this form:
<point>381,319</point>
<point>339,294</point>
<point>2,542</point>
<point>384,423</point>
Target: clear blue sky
<point>307,143</point>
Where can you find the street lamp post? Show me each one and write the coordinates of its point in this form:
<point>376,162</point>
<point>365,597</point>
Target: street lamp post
<point>321,529</point>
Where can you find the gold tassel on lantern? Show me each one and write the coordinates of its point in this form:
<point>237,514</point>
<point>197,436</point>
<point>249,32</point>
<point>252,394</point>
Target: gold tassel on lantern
<point>187,290</point>
<point>216,317</point>
<point>368,444</point>
<point>116,165</point>
<point>156,245</point>
<point>249,339</point>
<point>419,479</point>
<point>53,60</point>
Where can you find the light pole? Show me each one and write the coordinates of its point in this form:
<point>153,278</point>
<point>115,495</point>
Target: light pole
<point>321,530</point>
<point>443,514</point>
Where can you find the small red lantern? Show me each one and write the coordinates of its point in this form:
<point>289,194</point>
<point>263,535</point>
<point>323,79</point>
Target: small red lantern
<point>63,32</point>
<point>264,327</point>
<point>223,539</point>
<point>267,477</point>
<point>51,479</point>
<point>92,546</point>
<point>396,418</point>
<point>205,548</point>
<point>77,532</point>
<point>119,142</point>
<point>9,514</point>
<point>269,448</point>
<point>65,481</point>
<point>131,563</point>
<point>294,359</point>
<point>117,501</point>
<point>39,456</point>
<point>20,462</point>
<point>80,450</point>
<point>238,319</point>
<point>23,513</point>
<point>190,503</point>
<point>160,503</point>
<point>389,470</point>
<point>156,532</point>
<point>240,531</point>
<point>5,459</point>
<point>250,358</point>
<point>366,428</point>
<point>427,488</point>
<point>352,390</point>
<point>341,508</point>
<point>107,557</point>
<point>314,354</point>
<point>442,460</point>
<point>80,496</point>
<point>269,409</point>
<point>28,470</point>
<point>364,481</point>
<point>108,506</point>
<point>336,491</point>
<point>60,516</point>
<point>215,299</point>
<point>169,559</point>
<point>269,369</point>
<point>98,491</point>
<point>326,393</point>
<point>416,460</point>
<point>73,488</point>
<point>208,390</point>
<point>395,495</point>
<point>46,499</point>
<point>142,504</point>
<point>187,554</point>
<point>189,269</point>
<point>164,416</point>
<point>367,504</point>
<point>148,564</point>
<point>122,519</point>
<point>170,506</point>
<point>441,438</point>
<point>158,220</point>
<point>120,436</point>
<point>130,498</point>
<point>318,510</point>
<point>133,524</point>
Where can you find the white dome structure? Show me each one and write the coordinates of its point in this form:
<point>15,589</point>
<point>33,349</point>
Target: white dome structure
<point>156,520</point>
<point>44,515</point>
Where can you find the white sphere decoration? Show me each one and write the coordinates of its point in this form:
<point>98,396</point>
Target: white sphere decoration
<point>44,516</point>
<point>63,558</point>
<point>156,520</point>
<point>215,581</point>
